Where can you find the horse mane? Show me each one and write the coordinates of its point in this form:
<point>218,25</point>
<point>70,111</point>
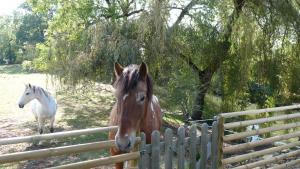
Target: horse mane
<point>40,89</point>
<point>45,92</point>
<point>129,79</point>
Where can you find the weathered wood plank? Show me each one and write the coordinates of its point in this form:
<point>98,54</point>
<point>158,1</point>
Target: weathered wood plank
<point>269,160</point>
<point>220,122</point>
<point>214,146</point>
<point>100,162</point>
<point>155,149</point>
<point>180,149</point>
<point>261,120</point>
<point>143,158</point>
<point>260,131</point>
<point>259,153</point>
<point>249,145</point>
<point>252,112</point>
<point>168,149</point>
<point>203,153</point>
<point>193,146</point>
<point>56,151</point>
<point>58,135</point>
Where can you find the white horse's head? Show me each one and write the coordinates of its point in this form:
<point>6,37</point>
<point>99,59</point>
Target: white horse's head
<point>28,95</point>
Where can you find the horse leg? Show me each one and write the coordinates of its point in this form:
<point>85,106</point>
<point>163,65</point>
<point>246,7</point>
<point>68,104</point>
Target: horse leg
<point>51,124</point>
<point>115,151</point>
<point>41,125</point>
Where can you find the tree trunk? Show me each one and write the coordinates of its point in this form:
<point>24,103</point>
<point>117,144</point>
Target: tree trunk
<point>205,75</point>
<point>204,84</point>
<point>199,105</point>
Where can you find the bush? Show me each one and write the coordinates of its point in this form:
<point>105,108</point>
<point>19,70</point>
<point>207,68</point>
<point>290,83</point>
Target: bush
<point>28,66</point>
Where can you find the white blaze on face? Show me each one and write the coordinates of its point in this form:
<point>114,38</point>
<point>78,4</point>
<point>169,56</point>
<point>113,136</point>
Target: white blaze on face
<point>125,96</point>
<point>154,101</point>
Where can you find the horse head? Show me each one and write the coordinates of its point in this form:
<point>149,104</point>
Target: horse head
<point>27,96</point>
<point>133,90</point>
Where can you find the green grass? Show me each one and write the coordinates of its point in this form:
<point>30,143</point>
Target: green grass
<point>12,69</point>
<point>212,106</point>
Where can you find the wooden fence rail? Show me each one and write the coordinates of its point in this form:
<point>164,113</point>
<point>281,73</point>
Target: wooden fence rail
<point>232,159</point>
<point>100,162</point>
<point>58,135</point>
<point>259,111</point>
<point>185,148</point>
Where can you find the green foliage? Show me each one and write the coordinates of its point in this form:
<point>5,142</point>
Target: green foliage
<point>31,29</point>
<point>181,95</point>
<point>19,34</point>
<point>259,94</point>
<point>27,66</point>
<point>245,53</point>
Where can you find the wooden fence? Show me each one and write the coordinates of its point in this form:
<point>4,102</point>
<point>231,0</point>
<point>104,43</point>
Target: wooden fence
<point>245,155</point>
<point>199,146</point>
<point>191,151</point>
<point>186,150</point>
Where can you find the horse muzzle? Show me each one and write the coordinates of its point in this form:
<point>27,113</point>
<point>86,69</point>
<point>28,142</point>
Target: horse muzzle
<point>21,105</point>
<point>124,144</point>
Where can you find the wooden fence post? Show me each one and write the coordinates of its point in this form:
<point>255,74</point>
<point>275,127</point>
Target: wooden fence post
<point>143,158</point>
<point>220,122</point>
<point>193,147</point>
<point>168,149</point>
<point>203,152</point>
<point>155,147</point>
<point>180,145</point>
<point>214,146</point>
<point>134,163</point>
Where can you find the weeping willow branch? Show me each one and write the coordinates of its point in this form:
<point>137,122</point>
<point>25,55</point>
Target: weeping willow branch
<point>184,12</point>
<point>130,13</point>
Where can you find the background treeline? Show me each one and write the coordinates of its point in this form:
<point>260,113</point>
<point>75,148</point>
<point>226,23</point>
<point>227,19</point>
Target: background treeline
<point>205,56</point>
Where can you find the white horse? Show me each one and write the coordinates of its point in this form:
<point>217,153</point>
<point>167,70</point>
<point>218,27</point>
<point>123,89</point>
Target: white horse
<point>43,105</point>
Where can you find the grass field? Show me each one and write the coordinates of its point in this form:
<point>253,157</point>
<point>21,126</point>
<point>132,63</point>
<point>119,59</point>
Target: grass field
<point>77,109</point>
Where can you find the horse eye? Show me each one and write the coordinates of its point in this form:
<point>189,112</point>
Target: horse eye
<point>27,93</point>
<point>142,98</point>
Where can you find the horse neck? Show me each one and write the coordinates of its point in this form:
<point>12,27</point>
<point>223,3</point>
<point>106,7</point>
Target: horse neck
<point>148,111</point>
<point>40,96</point>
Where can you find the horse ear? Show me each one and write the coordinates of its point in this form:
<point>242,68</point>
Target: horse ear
<point>118,69</point>
<point>143,70</point>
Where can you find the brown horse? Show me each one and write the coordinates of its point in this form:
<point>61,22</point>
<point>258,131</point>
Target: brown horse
<point>136,109</point>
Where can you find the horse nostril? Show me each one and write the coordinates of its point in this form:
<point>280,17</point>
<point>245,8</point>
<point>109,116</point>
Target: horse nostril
<point>129,144</point>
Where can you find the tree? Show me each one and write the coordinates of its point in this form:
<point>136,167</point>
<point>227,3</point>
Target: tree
<point>7,41</point>
<point>210,47</point>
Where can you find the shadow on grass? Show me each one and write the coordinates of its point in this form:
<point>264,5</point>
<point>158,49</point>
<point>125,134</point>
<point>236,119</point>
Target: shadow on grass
<point>13,69</point>
<point>86,108</point>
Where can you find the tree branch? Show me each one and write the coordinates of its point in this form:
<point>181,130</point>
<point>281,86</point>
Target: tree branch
<point>184,11</point>
<point>189,62</point>
<point>108,2</point>
<point>130,13</point>
<point>238,6</point>
<point>123,15</point>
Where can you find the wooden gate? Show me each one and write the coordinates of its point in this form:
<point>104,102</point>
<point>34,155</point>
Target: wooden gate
<point>267,151</point>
